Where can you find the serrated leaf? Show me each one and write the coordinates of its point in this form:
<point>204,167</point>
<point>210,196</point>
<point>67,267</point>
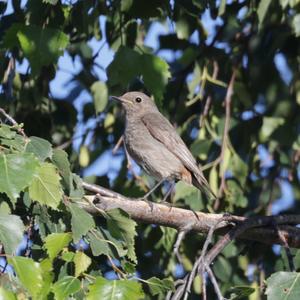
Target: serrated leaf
<point>7,131</point>
<point>101,242</point>
<point>283,285</point>
<point>16,173</point>
<point>81,222</point>
<point>11,232</point>
<point>115,289</point>
<point>100,95</point>
<point>65,287</point>
<point>29,273</point>
<point>122,227</point>
<point>158,286</point>
<point>55,242</point>
<point>40,147</point>
<point>45,187</point>
<point>82,262</point>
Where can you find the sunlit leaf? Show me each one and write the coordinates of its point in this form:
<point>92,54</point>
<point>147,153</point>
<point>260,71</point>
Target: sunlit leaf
<point>55,242</point>
<point>46,188</point>
<point>100,95</point>
<point>40,147</point>
<point>82,262</point>
<point>115,289</point>
<point>11,232</point>
<point>65,287</point>
<point>16,173</point>
<point>29,273</point>
<point>283,285</point>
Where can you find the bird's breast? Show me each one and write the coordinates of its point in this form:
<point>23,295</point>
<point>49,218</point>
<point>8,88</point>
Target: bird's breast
<point>149,153</point>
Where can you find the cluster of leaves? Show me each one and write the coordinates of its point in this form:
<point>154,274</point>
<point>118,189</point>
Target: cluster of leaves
<point>59,231</point>
<point>249,37</point>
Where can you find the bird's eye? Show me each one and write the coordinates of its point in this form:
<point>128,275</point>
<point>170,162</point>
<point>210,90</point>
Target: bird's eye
<point>138,99</point>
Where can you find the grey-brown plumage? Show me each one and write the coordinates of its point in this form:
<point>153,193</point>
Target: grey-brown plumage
<point>155,145</point>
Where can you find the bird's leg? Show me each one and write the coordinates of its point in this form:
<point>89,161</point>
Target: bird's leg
<point>152,190</point>
<point>169,191</point>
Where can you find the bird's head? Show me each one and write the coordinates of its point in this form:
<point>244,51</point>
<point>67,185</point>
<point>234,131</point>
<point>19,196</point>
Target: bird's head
<point>136,103</point>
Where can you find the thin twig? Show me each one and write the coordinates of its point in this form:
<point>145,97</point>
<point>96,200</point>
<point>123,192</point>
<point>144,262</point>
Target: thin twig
<point>228,99</point>
<point>209,97</point>
<point>13,122</point>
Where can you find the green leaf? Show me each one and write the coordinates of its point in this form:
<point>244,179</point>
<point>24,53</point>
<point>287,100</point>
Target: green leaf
<point>68,256</point>
<point>7,131</point>
<point>29,273</point>
<point>262,10</point>
<point>60,159</point>
<point>46,188</point>
<point>124,67</point>
<point>100,95</point>
<point>84,156</point>
<point>122,227</point>
<point>129,64</point>
<point>52,2</point>
<point>82,262</point>
<point>236,195</point>
<point>270,124</point>
<point>6,295</point>
<point>16,173</point>
<point>283,285</point>
<point>158,286</point>
<point>65,287</point>
<point>115,289</point>
<point>222,8</point>
<point>11,232</point>
<point>42,46</point>
<point>126,4</point>
<point>102,242</point>
<point>76,191</point>
<point>40,147</point>
<point>155,73</point>
<point>55,242</point>
<point>190,195</point>
<point>81,222</point>
<point>296,24</point>
<point>241,292</point>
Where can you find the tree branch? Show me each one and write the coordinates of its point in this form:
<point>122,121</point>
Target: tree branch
<point>260,229</point>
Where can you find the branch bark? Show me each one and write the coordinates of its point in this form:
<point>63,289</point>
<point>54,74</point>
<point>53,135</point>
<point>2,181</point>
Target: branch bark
<point>261,229</point>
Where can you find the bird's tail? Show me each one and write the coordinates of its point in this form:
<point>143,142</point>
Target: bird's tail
<point>201,183</point>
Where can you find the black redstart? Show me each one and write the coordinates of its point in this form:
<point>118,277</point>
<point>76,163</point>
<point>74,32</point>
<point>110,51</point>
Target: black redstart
<point>154,144</point>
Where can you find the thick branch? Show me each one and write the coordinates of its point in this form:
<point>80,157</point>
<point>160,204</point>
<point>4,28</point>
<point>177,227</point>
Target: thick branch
<point>180,219</point>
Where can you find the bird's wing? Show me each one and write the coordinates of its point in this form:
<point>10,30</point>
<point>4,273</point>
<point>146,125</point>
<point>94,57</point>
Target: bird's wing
<point>162,130</point>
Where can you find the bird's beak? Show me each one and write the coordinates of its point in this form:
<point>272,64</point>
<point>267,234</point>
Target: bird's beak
<point>120,99</point>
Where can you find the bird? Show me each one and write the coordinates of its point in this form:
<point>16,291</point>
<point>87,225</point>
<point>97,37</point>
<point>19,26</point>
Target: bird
<point>154,144</point>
